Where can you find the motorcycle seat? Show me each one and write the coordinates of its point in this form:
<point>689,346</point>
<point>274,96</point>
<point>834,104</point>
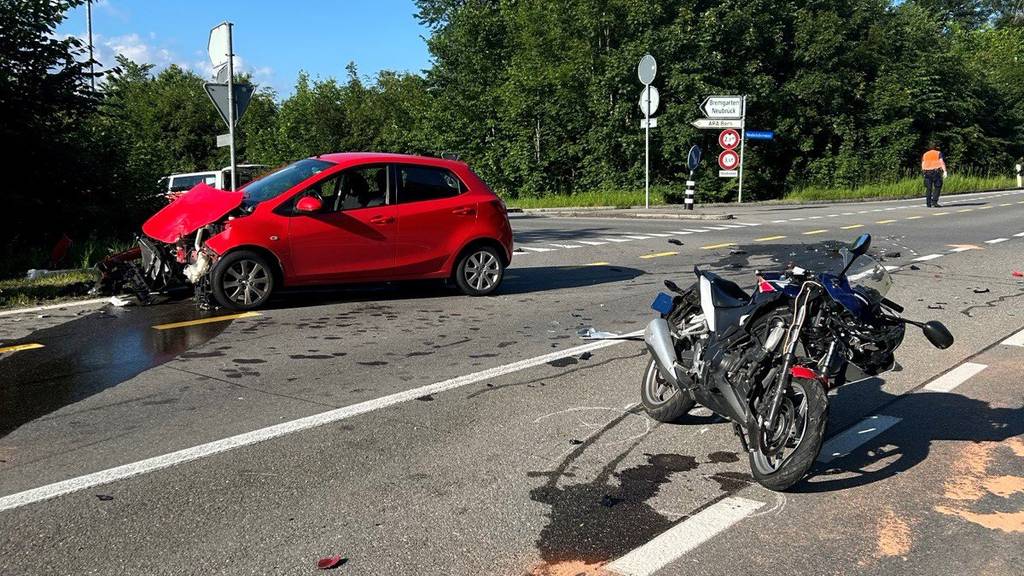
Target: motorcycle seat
<point>726,293</point>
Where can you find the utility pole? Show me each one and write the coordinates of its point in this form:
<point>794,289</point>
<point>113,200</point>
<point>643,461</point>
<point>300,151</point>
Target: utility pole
<point>92,63</point>
<point>231,105</point>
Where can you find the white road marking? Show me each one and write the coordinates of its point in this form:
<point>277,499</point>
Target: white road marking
<point>565,245</point>
<point>537,249</point>
<point>210,448</point>
<point>927,258</point>
<point>637,237</point>
<point>684,537</point>
<point>591,242</point>
<point>695,229</point>
<point>847,214</point>
<point>681,232</point>
<point>1015,340</point>
<point>777,221</point>
<point>996,240</point>
<point>658,234</point>
<point>1019,235</point>
<point>962,249</point>
<point>797,219</point>
<point>955,377</point>
<point>730,226</point>
<point>832,215</point>
<point>715,228</point>
<point>749,223</point>
<point>610,239</point>
<point>851,439</point>
<point>94,301</point>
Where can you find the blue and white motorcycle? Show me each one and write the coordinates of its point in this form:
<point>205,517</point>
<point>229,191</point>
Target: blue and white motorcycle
<point>766,361</point>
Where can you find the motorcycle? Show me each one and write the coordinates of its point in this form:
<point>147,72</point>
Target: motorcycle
<point>766,361</point>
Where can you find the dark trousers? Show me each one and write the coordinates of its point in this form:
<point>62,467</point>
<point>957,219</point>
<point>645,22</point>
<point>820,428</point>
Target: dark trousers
<point>932,186</point>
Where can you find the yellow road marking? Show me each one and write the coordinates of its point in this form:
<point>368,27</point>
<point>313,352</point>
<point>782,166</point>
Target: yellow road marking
<point>914,217</point>
<point>598,264</point>
<point>940,213</point>
<point>713,246</point>
<point>852,227</point>
<point>964,210</point>
<point>822,231</point>
<point>20,347</point>
<point>767,238</point>
<point>885,222</point>
<point>1004,205</point>
<point>659,255</point>
<point>206,320</point>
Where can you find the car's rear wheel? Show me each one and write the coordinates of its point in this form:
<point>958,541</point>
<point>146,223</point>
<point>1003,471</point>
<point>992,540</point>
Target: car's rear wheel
<point>242,280</point>
<point>479,272</point>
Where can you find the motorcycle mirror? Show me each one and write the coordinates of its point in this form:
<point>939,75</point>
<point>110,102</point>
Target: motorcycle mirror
<point>937,334</point>
<point>672,286</point>
<point>861,245</point>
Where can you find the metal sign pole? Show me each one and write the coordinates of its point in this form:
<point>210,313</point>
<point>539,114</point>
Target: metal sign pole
<point>647,153</point>
<point>92,62</point>
<point>743,140</point>
<point>231,105</point>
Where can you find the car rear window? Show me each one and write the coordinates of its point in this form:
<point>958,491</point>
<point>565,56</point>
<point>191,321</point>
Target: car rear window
<point>419,183</point>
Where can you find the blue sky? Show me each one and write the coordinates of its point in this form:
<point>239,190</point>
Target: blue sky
<point>274,40</point>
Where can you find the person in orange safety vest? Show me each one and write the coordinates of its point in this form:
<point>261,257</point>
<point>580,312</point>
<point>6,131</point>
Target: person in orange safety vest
<point>933,166</point>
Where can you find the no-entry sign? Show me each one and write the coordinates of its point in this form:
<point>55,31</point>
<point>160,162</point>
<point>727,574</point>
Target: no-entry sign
<point>728,160</point>
<point>729,139</point>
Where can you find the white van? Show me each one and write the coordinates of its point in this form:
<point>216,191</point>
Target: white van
<point>172,186</point>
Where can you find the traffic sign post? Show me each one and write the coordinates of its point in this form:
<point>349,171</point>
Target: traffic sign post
<point>646,70</point>
<point>743,141</point>
<point>221,53</point>
<point>727,113</point>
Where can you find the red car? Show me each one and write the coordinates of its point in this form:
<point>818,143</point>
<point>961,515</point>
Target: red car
<point>334,218</point>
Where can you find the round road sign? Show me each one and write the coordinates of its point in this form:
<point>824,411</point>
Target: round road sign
<point>729,139</point>
<point>647,69</point>
<point>649,92</point>
<point>728,160</point>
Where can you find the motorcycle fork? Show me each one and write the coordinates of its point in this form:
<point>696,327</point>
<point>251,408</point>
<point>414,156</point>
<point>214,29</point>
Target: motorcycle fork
<point>775,395</point>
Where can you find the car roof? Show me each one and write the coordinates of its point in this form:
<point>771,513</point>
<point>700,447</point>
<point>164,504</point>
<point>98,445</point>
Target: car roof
<point>362,157</point>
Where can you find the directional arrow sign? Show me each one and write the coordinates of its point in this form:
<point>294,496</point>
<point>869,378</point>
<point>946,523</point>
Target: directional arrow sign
<point>712,124</point>
<point>723,107</point>
<point>218,94</point>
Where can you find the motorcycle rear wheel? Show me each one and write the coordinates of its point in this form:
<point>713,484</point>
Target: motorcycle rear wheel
<point>810,415</point>
<point>661,400</point>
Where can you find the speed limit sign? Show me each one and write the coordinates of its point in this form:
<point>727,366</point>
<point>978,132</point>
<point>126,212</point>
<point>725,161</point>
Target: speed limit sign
<point>729,160</point>
<point>729,139</point>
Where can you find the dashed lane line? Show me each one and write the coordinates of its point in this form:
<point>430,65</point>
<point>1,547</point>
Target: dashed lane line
<point>591,242</point>
<point>598,264</point>
<point>534,249</point>
<point>955,377</point>
<point>885,221</point>
<point>659,255</point>
<point>851,227</point>
<point>616,240</point>
<point>768,238</point>
<point>914,217</point>
<point>155,463</point>
<point>684,537</point>
<point>713,246</point>
<point>813,232</point>
<point>1019,235</point>
<point>996,240</point>
<point>1015,340</point>
<point>927,258</point>
<point>21,347</point>
<point>210,320</point>
<point>567,246</point>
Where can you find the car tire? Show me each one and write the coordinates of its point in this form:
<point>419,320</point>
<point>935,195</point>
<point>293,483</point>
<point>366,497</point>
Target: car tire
<point>242,280</point>
<point>479,271</point>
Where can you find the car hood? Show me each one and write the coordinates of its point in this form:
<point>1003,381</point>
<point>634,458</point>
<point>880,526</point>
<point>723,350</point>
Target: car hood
<point>194,209</point>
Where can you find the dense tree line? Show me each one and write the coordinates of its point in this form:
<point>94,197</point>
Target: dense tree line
<point>540,96</point>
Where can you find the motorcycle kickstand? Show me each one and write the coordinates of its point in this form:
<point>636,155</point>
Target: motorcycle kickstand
<point>743,439</point>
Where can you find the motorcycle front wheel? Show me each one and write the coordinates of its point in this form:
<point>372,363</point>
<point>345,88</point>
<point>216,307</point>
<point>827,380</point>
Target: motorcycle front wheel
<point>661,400</point>
<point>797,438</point>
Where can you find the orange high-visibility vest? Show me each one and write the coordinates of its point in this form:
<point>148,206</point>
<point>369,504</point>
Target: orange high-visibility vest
<point>932,160</point>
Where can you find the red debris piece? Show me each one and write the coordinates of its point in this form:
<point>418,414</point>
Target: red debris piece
<point>330,562</point>
<point>1018,274</point>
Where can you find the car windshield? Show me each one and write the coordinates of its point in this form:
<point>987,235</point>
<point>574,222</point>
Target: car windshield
<point>869,278</point>
<point>273,185</point>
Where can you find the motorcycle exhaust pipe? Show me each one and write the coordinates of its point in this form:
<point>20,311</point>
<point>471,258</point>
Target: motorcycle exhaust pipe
<point>658,338</point>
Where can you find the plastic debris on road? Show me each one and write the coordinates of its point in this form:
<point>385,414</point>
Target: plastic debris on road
<point>591,334</point>
<point>1018,274</point>
<point>331,562</point>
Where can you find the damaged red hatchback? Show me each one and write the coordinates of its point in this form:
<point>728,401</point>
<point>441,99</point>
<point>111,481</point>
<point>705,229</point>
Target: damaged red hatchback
<point>335,218</point>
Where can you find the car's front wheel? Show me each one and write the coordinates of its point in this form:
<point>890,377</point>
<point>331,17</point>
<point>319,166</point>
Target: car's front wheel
<point>242,280</point>
<point>479,272</point>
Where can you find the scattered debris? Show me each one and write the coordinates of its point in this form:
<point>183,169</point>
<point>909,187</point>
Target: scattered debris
<point>586,356</point>
<point>893,254</point>
<point>591,334</point>
<point>935,307</point>
<point>105,497</point>
<point>915,267</point>
<point>981,290</point>
<point>331,562</point>
<point>676,242</point>
<point>518,250</point>
<point>575,442</point>
<point>737,252</point>
<point>120,301</point>
<point>1018,274</point>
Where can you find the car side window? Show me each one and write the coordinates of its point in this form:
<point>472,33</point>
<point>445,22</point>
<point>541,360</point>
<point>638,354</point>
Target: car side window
<point>362,187</point>
<point>419,183</point>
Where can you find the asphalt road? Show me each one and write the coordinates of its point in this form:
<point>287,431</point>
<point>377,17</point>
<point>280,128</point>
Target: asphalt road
<point>413,431</point>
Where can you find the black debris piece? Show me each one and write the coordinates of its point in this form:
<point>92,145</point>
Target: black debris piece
<point>575,442</point>
<point>586,356</point>
<point>105,497</point>
<point>915,267</point>
<point>981,290</point>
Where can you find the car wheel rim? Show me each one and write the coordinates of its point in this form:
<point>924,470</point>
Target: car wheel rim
<point>246,282</point>
<point>482,271</point>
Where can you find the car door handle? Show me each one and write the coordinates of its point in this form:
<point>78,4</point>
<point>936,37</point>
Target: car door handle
<point>382,220</point>
<point>464,211</point>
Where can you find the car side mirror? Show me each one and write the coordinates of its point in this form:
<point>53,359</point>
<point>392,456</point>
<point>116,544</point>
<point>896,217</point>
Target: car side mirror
<point>861,245</point>
<point>937,334</point>
<point>309,205</point>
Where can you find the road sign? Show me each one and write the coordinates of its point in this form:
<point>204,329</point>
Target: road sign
<point>728,173</point>
<point>722,107</point>
<point>649,123</point>
<point>647,69</point>
<point>760,135</point>
<point>693,158</point>
<point>223,140</point>
<point>218,93</point>
<point>728,160</point>
<point>729,139</point>
<point>649,100</point>
<point>219,45</point>
<point>710,124</point>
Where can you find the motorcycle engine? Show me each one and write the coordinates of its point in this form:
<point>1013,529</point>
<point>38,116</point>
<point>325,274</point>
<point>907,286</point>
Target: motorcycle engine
<point>739,366</point>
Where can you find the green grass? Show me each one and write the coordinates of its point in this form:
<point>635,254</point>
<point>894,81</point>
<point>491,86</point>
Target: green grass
<point>911,187</point>
<point>617,198</point>
<point>22,292</point>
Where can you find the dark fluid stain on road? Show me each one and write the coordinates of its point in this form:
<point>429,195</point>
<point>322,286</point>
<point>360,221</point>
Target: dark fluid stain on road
<point>89,354</point>
<point>373,363</point>
<point>310,356</point>
<point>723,456</point>
<point>563,362</point>
<point>249,361</point>
<point>427,398</point>
<point>731,482</point>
